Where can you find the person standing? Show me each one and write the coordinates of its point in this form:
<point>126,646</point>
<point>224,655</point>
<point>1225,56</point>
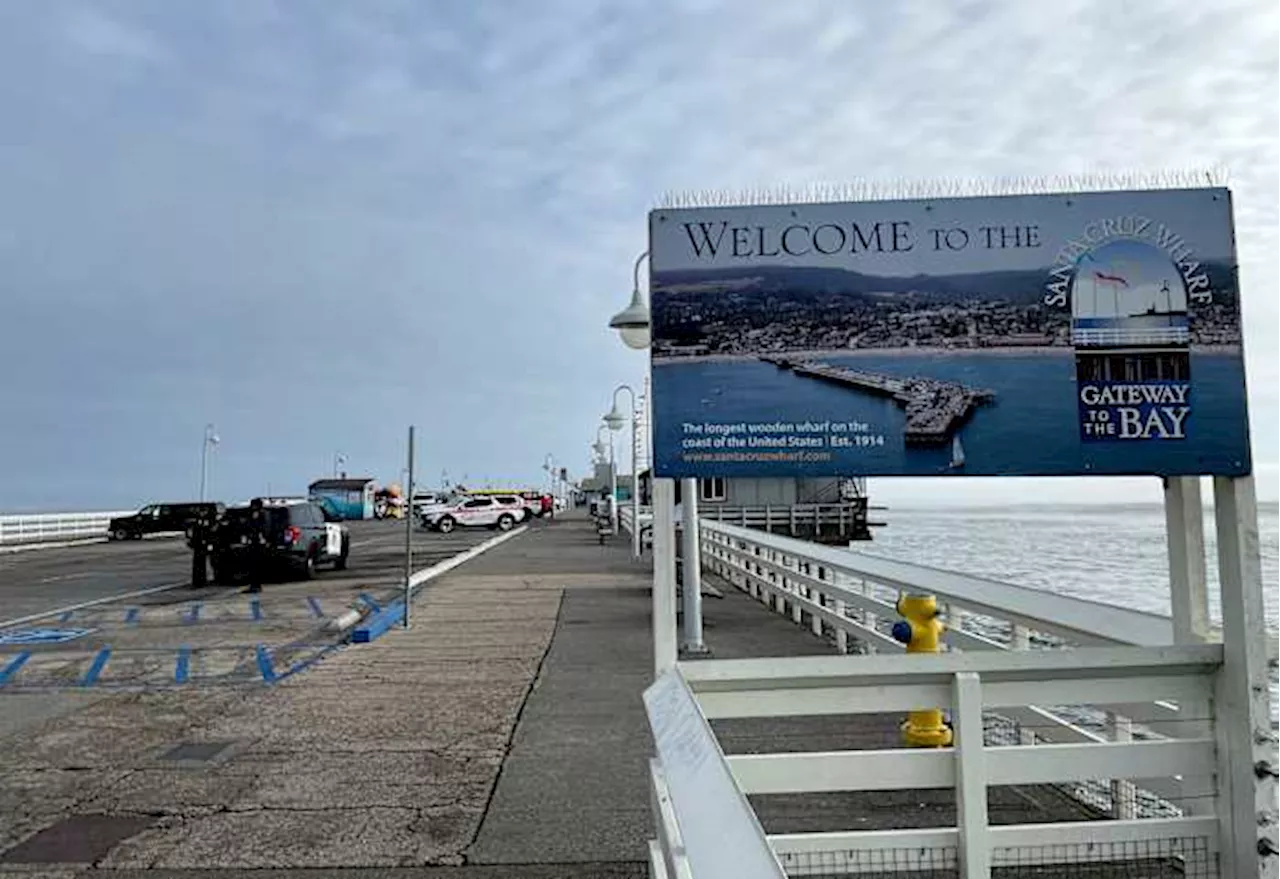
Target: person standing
<point>257,543</point>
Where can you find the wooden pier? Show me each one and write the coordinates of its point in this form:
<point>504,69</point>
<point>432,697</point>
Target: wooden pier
<point>934,408</point>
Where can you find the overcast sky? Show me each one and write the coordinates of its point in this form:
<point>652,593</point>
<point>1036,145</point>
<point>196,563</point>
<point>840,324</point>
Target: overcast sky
<point>313,223</point>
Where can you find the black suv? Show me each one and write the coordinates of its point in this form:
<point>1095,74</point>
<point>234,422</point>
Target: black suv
<point>296,537</point>
<point>160,518</point>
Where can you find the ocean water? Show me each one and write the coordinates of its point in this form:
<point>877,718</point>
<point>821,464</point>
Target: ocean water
<point>1032,428</point>
<point>1115,555</point>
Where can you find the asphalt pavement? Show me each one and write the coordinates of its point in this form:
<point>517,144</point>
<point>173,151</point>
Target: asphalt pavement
<point>153,629</point>
<point>37,581</point>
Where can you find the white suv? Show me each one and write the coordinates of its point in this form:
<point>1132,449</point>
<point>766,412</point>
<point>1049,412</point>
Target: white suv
<point>475,512</point>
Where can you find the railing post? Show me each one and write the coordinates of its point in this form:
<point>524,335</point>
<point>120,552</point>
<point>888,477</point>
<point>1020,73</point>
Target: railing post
<point>664,576</point>
<point>692,568</point>
<point>797,611</point>
<point>820,599</point>
<point>1184,529</point>
<point>868,617</point>
<point>793,520</point>
<point>1244,734</point>
<point>842,637</point>
<point>974,850</point>
<point>1124,796</point>
<point>1021,638</point>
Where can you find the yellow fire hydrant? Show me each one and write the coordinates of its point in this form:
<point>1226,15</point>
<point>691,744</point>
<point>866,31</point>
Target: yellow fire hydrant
<point>921,631</point>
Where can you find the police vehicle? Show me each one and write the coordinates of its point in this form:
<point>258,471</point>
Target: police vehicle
<point>289,536</point>
<point>161,519</point>
<point>474,512</point>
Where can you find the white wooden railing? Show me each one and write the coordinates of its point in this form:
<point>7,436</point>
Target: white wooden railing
<point>967,685</point>
<point>51,527</point>
<point>850,597</point>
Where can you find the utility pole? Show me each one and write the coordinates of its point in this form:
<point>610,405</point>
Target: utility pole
<point>408,536</point>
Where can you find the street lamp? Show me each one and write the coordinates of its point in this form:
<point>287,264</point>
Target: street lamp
<point>614,421</point>
<point>598,446</point>
<point>211,439</point>
<point>549,464</point>
<point>632,323</point>
<point>339,461</point>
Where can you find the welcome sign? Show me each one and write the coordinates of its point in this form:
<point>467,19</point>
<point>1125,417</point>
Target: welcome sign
<point>1086,333</point>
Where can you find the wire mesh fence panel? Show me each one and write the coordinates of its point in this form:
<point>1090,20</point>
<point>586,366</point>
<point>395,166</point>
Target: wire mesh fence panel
<point>889,863</point>
<point>1181,858</point>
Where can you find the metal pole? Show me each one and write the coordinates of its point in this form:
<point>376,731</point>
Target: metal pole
<point>204,462</point>
<point>691,567</point>
<point>635,484</point>
<point>408,537</point>
<point>664,577</point>
<point>613,489</point>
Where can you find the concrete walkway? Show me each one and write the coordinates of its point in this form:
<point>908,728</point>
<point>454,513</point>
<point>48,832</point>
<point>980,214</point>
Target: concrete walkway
<point>503,735</point>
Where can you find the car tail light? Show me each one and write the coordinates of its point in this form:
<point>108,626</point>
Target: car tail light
<point>292,534</point>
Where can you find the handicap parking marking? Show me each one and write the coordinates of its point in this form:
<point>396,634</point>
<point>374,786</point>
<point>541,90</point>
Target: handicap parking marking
<point>255,608</point>
<point>193,613</point>
<point>42,636</point>
<point>264,664</point>
<point>182,666</point>
<point>14,666</point>
<point>95,670</point>
<point>131,615</point>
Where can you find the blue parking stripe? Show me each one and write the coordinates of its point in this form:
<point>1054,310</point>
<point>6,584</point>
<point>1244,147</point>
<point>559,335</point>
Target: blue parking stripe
<point>193,614</point>
<point>368,599</point>
<point>315,606</point>
<point>13,666</point>
<point>255,608</point>
<point>264,665</point>
<point>182,669</point>
<point>66,616</point>
<point>99,663</point>
<point>131,615</point>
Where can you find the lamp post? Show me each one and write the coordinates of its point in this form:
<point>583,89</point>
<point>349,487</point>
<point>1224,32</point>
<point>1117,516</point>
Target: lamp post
<point>549,464</point>
<point>613,484</point>
<point>339,461</point>
<point>632,323</point>
<point>614,421</point>
<point>211,439</point>
<point>633,326</point>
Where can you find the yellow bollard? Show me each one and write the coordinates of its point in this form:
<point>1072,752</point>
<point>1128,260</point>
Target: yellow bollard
<point>921,631</point>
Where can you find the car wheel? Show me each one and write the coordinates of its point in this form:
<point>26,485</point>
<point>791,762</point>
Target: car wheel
<point>446,524</point>
<point>506,522</point>
<point>341,563</point>
<point>119,534</point>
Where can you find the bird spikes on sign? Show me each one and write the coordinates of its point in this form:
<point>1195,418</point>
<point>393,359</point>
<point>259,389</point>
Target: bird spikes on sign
<point>902,188</point>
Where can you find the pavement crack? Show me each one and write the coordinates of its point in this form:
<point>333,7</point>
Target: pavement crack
<point>515,725</point>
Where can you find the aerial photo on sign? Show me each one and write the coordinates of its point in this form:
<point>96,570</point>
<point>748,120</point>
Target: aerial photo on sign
<point>1049,334</point>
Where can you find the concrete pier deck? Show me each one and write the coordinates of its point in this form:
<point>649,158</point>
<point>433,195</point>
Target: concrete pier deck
<point>503,735</point>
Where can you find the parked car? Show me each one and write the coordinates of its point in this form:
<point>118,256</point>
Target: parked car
<point>161,518</point>
<point>298,537</point>
<point>424,499</point>
<point>472,512</point>
<point>517,505</point>
<point>423,509</point>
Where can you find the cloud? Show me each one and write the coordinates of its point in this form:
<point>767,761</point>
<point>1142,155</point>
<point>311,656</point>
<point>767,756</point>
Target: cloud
<point>316,227</point>
<point>91,30</point>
